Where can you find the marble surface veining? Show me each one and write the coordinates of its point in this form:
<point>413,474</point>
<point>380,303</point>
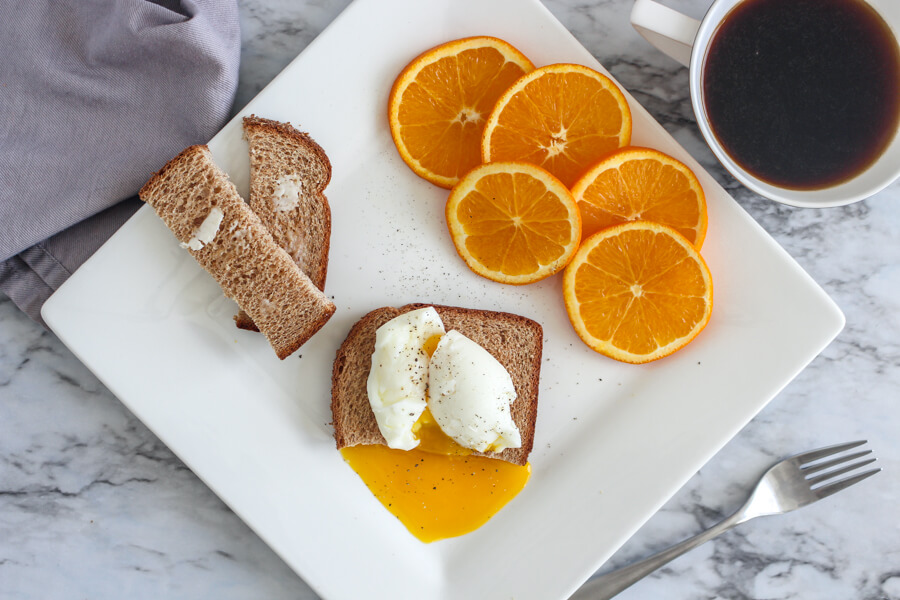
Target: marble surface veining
<point>93,505</point>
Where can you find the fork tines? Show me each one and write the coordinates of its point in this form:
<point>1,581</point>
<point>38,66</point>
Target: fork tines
<point>825,484</point>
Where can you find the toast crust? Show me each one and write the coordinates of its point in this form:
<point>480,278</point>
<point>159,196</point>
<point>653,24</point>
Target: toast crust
<point>515,341</point>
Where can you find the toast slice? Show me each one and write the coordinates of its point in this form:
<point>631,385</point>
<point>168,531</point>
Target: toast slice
<point>288,174</point>
<point>201,206</point>
<point>515,341</point>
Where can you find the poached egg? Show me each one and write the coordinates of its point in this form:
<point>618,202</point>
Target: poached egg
<point>437,397</point>
<point>469,395</point>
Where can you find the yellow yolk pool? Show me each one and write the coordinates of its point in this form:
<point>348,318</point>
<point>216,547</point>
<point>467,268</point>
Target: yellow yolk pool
<point>437,496</point>
<point>438,489</point>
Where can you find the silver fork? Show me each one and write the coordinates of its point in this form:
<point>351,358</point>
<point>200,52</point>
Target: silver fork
<point>786,486</point>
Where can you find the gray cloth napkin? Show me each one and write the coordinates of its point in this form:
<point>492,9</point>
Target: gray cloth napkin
<point>96,95</point>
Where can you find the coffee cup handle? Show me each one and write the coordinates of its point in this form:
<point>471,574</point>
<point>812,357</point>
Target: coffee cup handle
<point>670,31</point>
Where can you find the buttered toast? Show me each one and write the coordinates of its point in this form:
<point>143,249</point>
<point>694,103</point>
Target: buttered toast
<point>289,172</point>
<point>201,206</point>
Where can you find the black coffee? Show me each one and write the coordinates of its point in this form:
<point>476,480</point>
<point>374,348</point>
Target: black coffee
<point>803,94</point>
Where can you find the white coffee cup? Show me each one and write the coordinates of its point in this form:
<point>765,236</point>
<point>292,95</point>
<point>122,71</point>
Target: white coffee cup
<point>687,41</point>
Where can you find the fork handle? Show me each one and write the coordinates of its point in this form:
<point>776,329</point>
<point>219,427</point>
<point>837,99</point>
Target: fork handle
<point>608,585</point>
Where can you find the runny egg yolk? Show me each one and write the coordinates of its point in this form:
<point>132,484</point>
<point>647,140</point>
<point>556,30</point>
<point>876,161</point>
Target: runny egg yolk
<point>430,344</point>
<point>437,496</point>
<point>437,490</point>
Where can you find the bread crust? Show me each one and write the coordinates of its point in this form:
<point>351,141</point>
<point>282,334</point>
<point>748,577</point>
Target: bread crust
<point>515,341</point>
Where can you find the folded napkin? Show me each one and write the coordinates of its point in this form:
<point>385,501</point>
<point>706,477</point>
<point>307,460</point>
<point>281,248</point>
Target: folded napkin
<point>96,95</point>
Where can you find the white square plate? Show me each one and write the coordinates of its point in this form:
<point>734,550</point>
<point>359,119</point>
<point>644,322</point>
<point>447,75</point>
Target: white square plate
<point>613,441</point>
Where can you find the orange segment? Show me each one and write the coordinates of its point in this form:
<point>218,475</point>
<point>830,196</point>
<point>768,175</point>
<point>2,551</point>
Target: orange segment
<point>638,292</point>
<point>640,184</point>
<point>439,103</point>
<point>513,222</point>
<point>561,117</point>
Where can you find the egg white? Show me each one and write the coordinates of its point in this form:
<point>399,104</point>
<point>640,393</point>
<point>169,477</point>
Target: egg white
<point>398,378</point>
<point>470,394</point>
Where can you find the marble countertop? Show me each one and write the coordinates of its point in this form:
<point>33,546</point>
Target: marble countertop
<point>93,505</point>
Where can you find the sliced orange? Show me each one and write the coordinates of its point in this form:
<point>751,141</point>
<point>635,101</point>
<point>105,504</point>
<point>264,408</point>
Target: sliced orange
<point>561,117</point>
<point>439,103</point>
<point>513,222</point>
<point>640,184</point>
<point>638,291</point>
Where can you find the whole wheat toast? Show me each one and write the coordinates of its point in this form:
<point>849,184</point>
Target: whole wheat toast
<point>241,254</point>
<point>513,340</point>
<point>288,175</point>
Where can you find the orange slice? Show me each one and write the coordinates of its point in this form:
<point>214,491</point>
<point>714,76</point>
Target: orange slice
<point>640,184</point>
<point>561,117</point>
<point>513,222</point>
<point>638,291</point>
<point>439,103</point>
